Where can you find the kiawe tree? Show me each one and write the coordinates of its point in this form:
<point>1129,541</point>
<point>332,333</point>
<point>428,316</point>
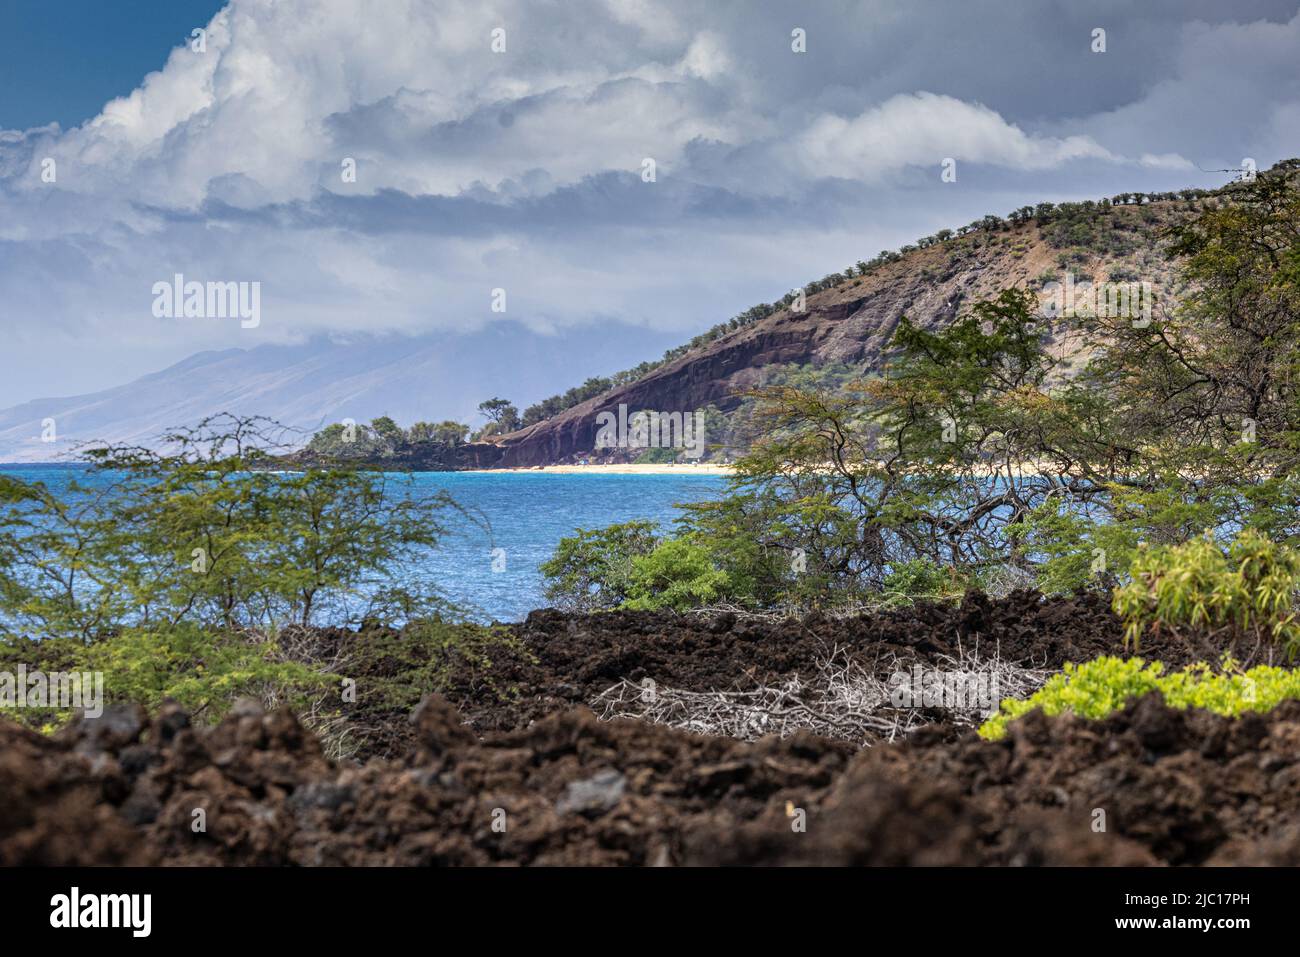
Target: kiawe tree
<point>389,432</point>
<point>501,413</point>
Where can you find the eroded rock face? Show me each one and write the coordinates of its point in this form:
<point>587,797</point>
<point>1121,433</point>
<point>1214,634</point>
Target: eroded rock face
<point>714,375</point>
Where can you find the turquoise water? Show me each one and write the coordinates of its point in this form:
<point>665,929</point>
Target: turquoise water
<point>526,514</point>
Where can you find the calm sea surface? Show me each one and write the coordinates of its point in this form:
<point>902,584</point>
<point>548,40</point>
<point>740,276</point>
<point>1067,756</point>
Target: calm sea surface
<point>526,513</point>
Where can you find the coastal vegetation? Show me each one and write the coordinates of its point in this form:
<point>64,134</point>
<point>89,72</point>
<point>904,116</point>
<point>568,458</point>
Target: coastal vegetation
<point>384,440</point>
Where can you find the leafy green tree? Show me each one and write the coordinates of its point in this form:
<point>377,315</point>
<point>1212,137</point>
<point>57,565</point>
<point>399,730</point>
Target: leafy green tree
<point>937,460</point>
<point>446,432</point>
<point>1212,383</point>
<point>389,432</point>
<point>450,433</point>
<point>352,442</point>
<point>501,413</point>
<point>420,432</point>
<point>206,533</point>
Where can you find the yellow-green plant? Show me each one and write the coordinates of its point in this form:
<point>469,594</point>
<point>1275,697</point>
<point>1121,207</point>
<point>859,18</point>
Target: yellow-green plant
<point>1247,589</point>
<point>1099,687</point>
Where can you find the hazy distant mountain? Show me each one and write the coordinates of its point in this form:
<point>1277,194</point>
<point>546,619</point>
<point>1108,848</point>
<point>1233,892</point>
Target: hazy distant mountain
<point>430,377</point>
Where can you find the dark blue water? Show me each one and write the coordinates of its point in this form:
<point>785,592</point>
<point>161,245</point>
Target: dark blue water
<point>527,513</point>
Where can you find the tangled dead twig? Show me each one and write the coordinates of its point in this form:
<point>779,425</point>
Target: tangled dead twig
<point>844,701</point>
<point>745,715</point>
<point>841,611</point>
<point>319,713</point>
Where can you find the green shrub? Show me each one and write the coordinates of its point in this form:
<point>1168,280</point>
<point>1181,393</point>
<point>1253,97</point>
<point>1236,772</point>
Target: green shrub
<point>204,669</point>
<point>922,578</point>
<point>1076,549</point>
<point>591,571</point>
<point>628,566</point>
<point>1247,589</point>
<point>679,574</point>
<point>1100,687</point>
<point>395,668</point>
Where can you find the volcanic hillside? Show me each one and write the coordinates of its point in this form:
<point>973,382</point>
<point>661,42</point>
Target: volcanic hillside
<point>850,319</point>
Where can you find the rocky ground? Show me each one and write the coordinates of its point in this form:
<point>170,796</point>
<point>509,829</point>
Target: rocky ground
<point>571,659</point>
<point>537,778</point>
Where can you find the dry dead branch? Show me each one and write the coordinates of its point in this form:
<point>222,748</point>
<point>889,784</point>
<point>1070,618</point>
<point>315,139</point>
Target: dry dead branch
<point>842,700</point>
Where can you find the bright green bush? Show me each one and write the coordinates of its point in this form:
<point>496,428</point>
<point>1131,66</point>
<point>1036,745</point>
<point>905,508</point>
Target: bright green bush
<point>679,574</point>
<point>203,669</point>
<point>1104,685</point>
<point>1247,589</point>
<point>629,566</point>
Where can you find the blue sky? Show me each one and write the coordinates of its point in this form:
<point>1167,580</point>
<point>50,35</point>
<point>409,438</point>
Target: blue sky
<point>522,168</point>
<point>62,61</point>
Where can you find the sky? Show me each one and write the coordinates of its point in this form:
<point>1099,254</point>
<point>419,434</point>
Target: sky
<point>502,153</point>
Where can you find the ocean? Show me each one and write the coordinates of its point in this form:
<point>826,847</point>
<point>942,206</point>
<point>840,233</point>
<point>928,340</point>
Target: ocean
<point>527,513</point>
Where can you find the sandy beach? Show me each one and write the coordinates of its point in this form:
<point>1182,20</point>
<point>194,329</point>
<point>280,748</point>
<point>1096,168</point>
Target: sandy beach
<point>704,468</point>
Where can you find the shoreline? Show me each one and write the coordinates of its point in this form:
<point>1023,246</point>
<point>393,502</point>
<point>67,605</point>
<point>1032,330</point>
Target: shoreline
<point>625,469</point>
